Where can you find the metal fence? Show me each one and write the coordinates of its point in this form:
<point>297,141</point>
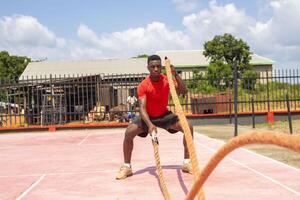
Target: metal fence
<point>104,98</point>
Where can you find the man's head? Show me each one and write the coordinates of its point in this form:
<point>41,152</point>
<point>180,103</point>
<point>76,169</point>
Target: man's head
<point>154,67</point>
<point>131,93</point>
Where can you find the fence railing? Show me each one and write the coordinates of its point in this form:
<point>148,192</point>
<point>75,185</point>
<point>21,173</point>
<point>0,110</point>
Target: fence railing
<point>105,98</point>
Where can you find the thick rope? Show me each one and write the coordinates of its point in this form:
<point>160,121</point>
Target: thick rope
<point>160,173</point>
<point>291,142</point>
<point>185,127</point>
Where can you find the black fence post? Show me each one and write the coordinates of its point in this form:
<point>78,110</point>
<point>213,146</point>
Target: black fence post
<point>253,114</point>
<point>289,113</point>
<point>235,91</point>
<point>1,104</point>
<point>230,111</point>
<point>268,92</point>
<point>52,96</point>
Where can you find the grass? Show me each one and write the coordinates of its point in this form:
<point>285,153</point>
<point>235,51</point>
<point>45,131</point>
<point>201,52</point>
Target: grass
<point>281,126</point>
<point>278,153</point>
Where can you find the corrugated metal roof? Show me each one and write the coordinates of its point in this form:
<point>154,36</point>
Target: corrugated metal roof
<point>195,58</point>
<point>179,58</point>
<point>90,67</point>
<point>260,60</point>
<point>182,58</point>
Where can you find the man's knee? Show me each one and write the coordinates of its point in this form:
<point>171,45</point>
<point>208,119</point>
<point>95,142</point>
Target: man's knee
<point>179,127</point>
<point>131,131</point>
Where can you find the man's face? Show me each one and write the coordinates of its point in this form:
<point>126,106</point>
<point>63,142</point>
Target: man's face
<point>154,68</point>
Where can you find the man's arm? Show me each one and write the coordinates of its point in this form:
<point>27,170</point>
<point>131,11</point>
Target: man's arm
<point>181,88</point>
<point>135,100</point>
<point>128,99</point>
<point>145,116</point>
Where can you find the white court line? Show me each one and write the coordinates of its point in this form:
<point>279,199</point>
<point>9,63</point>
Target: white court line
<point>271,159</point>
<point>31,187</point>
<point>61,173</point>
<point>101,143</point>
<point>82,141</point>
<point>6,147</point>
<point>253,170</point>
<point>254,153</point>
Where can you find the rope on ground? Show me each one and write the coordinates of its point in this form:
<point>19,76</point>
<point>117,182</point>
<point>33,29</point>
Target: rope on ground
<point>291,142</point>
<point>159,172</point>
<point>185,127</point>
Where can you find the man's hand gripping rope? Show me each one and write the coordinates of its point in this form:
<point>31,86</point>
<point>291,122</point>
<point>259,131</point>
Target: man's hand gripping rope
<point>153,134</point>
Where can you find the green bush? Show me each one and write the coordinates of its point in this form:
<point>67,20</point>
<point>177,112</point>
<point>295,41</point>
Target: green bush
<point>249,79</point>
<point>200,83</point>
<point>219,75</point>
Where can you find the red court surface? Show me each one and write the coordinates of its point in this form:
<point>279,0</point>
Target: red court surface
<point>82,164</point>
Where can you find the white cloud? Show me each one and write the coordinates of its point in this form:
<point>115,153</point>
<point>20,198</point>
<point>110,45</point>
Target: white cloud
<point>26,31</point>
<point>279,36</point>
<point>155,36</point>
<point>216,20</point>
<point>285,23</point>
<point>87,35</point>
<point>185,5</point>
<point>276,37</point>
<point>25,35</point>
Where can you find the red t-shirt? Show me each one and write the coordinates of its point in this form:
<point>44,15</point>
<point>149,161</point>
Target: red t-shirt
<point>156,94</point>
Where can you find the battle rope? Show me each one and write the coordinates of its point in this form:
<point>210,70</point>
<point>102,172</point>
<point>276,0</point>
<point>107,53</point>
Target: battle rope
<point>185,127</point>
<point>291,142</point>
<point>159,169</point>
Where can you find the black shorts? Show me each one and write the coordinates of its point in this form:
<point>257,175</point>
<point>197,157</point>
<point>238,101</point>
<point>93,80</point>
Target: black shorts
<point>164,121</point>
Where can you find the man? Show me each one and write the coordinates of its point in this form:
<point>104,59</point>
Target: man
<point>131,101</point>
<point>153,95</point>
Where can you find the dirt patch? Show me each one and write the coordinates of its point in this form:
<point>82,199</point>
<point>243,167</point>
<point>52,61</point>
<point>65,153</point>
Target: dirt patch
<point>226,132</point>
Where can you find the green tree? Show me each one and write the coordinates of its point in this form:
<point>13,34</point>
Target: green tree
<point>249,80</point>
<point>142,56</point>
<point>200,83</point>
<point>219,75</point>
<point>12,66</point>
<point>227,50</point>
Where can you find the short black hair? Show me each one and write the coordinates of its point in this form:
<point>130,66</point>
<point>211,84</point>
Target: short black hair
<point>153,57</point>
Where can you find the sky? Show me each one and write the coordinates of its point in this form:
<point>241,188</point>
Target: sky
<point>97,29</point>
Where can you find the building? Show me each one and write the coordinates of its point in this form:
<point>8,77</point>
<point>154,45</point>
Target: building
<point>184,60</point>
<point>84,68</point>
<point>187,61</point>
<point>63,91</point>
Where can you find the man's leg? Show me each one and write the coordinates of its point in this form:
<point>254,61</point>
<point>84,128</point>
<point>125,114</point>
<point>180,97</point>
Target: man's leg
<point>186,151</point>
<point>130,133</point>
<point>177,127</point>
<point>186,167</point>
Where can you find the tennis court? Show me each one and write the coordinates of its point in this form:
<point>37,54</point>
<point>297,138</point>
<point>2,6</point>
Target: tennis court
<point>82,164</point>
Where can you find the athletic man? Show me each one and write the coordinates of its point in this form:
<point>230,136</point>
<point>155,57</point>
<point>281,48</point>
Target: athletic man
<point>153,96</point>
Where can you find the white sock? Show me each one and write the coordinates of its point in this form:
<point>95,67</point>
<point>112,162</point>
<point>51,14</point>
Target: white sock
<point>127,165</point>
<point>186,161</point>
